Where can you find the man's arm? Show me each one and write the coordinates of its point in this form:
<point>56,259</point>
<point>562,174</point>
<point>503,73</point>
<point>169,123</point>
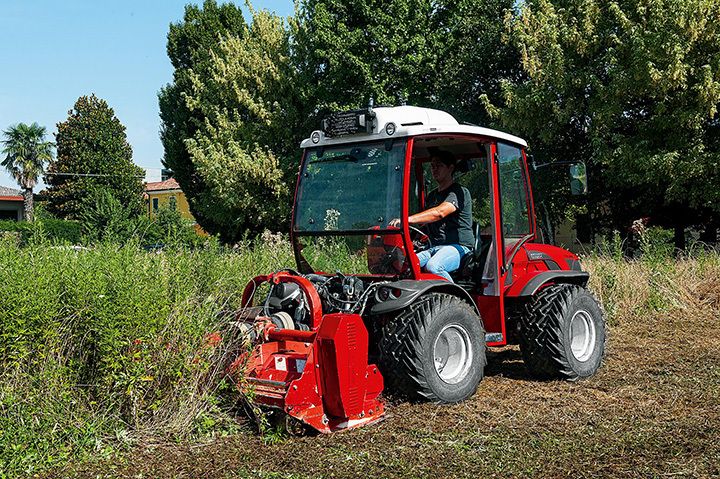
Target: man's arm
<point>433,214</point>
<point>430,215</point>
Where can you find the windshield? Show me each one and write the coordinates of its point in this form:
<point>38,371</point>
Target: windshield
<point>350,187</point>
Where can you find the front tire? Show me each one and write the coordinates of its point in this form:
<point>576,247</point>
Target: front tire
<point>563,333</point>
<point>435,350</point>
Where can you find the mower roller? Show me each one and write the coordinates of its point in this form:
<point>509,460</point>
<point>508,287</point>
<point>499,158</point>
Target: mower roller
<point>323,346</point>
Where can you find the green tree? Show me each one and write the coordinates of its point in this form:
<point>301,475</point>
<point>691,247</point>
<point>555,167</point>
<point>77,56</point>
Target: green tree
<point>242,148</point>
<point>244,96</point>
<point>348,52</point>
<point>92,155</point>
<point>474,57</point>
<point>26,153</point>
<point>631,87</point>
<point>189,48</point>
<point>446,54</point>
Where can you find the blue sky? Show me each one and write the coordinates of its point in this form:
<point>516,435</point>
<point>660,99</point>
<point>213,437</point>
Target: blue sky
<point>52,52</point>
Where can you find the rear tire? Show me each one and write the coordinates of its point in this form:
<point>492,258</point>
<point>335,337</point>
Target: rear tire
<point>563,333</point>
<point>435,350</point>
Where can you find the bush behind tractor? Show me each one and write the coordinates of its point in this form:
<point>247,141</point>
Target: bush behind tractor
<point>357,315</point>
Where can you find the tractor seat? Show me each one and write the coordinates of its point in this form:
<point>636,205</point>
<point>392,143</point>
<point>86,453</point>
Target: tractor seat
<point>468,262</point>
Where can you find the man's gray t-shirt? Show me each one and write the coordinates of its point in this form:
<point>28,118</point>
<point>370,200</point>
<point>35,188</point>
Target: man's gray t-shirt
<point>455,228</point>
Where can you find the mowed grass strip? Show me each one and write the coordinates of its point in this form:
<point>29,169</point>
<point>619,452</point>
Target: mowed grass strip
<point>653,410</point>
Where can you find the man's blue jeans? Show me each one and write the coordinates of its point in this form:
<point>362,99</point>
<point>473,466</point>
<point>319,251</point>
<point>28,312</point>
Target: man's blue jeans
<point>442,260</point>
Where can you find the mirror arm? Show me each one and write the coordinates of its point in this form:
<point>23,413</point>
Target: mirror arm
<point>535,166</point>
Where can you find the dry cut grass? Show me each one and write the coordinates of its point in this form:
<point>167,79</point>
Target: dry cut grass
<point>652,411</point>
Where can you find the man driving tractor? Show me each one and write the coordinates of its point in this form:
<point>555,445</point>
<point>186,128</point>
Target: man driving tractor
<point>448,219</point>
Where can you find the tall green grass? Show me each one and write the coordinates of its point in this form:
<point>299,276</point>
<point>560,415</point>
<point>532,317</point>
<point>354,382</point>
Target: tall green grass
<point>100,347</point>
<point>101,344</point>
<point>61,230</point>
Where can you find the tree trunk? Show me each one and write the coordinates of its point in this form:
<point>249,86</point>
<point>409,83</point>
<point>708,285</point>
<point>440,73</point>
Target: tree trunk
<point>710,233</point>
<point>28,204</point>
<point>680,237</point>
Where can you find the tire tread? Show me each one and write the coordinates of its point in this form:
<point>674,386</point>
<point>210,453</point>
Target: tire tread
<point>541,333</point>
<point>402,345</point>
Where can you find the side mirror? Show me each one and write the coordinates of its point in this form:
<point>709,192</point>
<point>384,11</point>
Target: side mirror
<point>578,179</point>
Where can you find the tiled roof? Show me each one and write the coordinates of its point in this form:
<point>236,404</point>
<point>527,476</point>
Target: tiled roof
<point>5,191</point>
<point>170,184</point>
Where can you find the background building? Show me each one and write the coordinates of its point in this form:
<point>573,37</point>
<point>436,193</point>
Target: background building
<point>156,175</point>
<point>11,204</point>
<point>162,194</point>
<point>167,194</point>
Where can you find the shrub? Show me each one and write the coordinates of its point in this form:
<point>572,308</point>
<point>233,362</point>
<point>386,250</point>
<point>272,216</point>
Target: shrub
<point>105,219</point>
<point>168,228</point>
<point>61,231</point>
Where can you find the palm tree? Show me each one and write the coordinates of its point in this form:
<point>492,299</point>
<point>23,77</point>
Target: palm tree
<point>26,154</point>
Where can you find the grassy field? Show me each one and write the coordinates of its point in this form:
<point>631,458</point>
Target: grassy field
<point>652,411</point>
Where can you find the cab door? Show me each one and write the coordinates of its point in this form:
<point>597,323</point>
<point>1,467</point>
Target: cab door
<point>488,294</point>
<point>512,225</point>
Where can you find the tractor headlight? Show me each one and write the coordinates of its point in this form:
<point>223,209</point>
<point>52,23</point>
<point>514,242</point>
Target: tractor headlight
<point>390,128</point>
<point>315,137</point>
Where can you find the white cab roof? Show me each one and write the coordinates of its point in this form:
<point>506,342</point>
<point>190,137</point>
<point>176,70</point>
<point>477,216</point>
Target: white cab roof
<point>413,121</point>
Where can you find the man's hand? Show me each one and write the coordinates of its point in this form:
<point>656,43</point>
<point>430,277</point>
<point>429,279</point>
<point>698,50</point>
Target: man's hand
<point>394,223</point>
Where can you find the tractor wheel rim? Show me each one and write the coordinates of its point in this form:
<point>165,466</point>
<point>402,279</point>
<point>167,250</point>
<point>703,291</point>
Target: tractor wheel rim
<point>582,335</point>
<point>452,354</point>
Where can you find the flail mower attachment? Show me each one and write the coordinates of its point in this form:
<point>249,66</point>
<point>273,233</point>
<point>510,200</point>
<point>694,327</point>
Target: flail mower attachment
<point>319,376</point>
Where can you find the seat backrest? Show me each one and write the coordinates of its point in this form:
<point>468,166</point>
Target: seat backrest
<point>467,263</point>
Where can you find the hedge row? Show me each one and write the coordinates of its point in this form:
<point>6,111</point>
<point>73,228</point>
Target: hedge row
<point>53,229</point>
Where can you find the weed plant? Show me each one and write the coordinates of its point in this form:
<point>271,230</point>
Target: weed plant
<point>658,280</point>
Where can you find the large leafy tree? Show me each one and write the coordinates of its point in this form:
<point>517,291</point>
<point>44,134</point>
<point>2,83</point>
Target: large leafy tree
<point>26,153</point>
<point>243,96</point>
<point>474,57</point>
<point>244,145</point>
<point>190,46</point>
<point>92,155</point>
<point>227,118</point>
<point>447,54</point>
<point>631,87</point>
<point>348,52</point>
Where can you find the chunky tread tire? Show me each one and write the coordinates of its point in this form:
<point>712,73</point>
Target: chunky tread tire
<point>406,349</point>
<point>545,340</point>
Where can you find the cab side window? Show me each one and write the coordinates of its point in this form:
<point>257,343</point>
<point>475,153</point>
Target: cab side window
<point>477,181</point>
<point>513,192</point>
<point>416,189</point>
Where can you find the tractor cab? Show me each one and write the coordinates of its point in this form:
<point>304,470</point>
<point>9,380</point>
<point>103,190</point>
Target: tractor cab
<point>365,168</point>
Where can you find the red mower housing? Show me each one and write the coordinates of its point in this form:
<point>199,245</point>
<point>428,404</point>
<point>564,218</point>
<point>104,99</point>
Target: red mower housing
<point>320,377</point>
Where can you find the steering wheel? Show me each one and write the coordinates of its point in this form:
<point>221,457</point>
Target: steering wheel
<point>421,241</point>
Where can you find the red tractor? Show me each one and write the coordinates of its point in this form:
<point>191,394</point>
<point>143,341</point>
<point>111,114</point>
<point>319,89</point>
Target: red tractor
<point>359,314</point>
